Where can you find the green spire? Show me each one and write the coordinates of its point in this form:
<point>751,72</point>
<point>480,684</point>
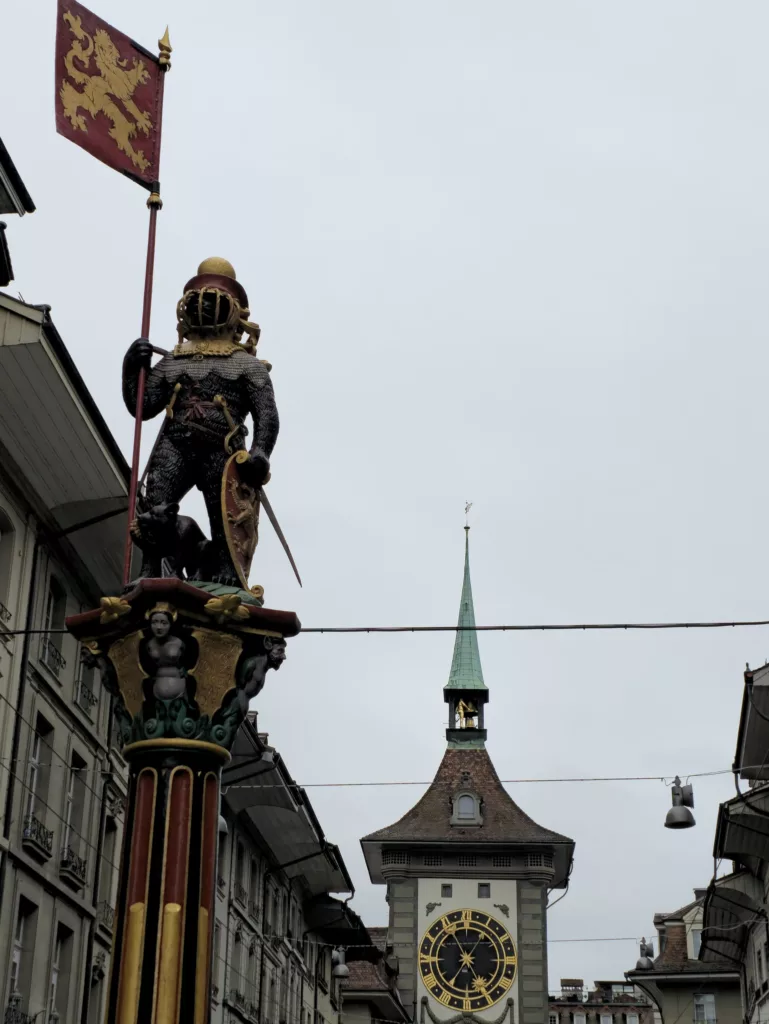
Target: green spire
<point>466,672</point>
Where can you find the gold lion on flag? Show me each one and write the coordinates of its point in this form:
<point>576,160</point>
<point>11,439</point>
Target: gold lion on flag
<point>115,84</point>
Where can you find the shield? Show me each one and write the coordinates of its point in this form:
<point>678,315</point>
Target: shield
<point>240,516</point>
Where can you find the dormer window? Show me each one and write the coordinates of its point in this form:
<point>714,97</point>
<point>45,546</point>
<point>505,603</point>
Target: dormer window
<point>466,807</point>
<point>466,810</point>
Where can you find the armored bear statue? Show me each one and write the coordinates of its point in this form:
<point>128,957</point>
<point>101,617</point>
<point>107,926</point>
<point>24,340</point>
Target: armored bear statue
<point>209,384</point>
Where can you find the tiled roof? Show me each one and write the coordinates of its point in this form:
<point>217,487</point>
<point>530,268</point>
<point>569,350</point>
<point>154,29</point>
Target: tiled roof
<point>366,977</point>
<point>690,967</point>
<point>674,959</point>
<point>661,918</point>
<point>430,819</point>
<point>378,937</point>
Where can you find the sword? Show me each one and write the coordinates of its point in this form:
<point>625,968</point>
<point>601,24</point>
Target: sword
<point>276,527</point>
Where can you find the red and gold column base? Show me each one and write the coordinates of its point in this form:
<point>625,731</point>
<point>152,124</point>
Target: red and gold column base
<point>161,963</point>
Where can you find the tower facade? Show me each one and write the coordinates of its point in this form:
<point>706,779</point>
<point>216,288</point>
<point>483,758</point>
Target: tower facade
<point>468,873</point>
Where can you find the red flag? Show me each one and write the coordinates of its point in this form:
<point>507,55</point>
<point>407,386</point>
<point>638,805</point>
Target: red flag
<point>108,93</point>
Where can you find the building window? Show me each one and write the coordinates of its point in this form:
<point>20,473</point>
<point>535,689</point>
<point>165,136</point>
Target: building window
<point>580,1018</point>
<point>217,957</point>
<point>467,860</point>
<point>61,968</point>
<point>6,561</point>
<point>553,1018</point>
<point>607,1018</point>
<point>55,614</point>
<point>447,891</point>
<point>85,688</point>
<point>23,950</point>
<point>433,860</point>
<point>108,867</point>
<point>502,860</point>
<point>466,810</point>
<point>221,860</point>
<point>760,966</point>
<point>39,769</point>
<point>465,807</point>
<point>484,891</point>
<point>704,1008</point>
<point>74,804</point>
<point>277,925</point>
<point>696,942</point>
<point>632,1018</point>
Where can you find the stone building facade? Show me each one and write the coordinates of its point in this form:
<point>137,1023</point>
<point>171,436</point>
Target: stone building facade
<point>736,905</point>
<point>683,985</point>
<point>62,783</point>
<point>468,873</point>
<point>608,1002</point>
<point>277,928</point>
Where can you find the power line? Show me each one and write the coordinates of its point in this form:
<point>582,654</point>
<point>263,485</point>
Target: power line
<point>543,626</point>
<point>433,782</point>
<point>518,627</point>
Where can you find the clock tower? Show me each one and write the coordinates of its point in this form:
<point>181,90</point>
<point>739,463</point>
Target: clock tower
<point>468,873</point>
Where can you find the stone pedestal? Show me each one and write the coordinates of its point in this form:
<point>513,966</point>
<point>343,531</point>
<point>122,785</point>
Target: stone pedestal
<point>181,662</point>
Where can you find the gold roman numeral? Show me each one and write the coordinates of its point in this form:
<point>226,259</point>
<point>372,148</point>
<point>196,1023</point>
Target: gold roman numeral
<point>505,983</point>
<point>445,999</point>
<point>467,916</point>
<point>429,980</point>
<point>511,961</point>
<point>466,1004</point>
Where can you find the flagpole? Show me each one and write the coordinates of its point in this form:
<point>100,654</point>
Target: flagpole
<point>155,203</point>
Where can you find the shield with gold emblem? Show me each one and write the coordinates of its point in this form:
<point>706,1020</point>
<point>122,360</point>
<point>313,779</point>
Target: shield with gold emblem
<point>240,516</point>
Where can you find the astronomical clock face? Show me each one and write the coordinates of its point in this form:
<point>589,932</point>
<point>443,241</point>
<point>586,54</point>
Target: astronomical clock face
<point>467,960</point>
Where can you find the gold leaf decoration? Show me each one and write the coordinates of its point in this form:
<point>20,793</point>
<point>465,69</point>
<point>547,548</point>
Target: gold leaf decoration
<point>112,609</point>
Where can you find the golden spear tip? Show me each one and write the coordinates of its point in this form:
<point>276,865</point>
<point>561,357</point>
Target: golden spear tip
<point>164,44</point>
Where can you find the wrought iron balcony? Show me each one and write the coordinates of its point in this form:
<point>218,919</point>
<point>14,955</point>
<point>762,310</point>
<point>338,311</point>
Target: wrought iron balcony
<point>240,893</point>
<point>52,656</point>
<point>72,868</point>
<point>252,1010</point>
<point>238,999</point>
<point>13,1015</point>
<point>36,837</point>
<point>221,883</point>
<point>253,909</point>
<point>5,618</point>
<point>105,915</point>
<point>86,698</point>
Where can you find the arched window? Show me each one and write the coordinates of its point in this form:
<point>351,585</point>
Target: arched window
<point>7,540</point>
<point>466,806</point>
<point>466,809</point>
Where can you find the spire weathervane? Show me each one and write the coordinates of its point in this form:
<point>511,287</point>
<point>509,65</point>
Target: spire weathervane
<point>468,506</point>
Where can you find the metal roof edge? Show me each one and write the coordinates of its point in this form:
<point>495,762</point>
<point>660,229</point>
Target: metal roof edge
<point>15,180</point>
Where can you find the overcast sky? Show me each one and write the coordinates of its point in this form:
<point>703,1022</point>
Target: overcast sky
<point>510,252</point>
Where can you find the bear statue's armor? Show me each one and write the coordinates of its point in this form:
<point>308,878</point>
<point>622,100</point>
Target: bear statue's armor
<point>209,384</point>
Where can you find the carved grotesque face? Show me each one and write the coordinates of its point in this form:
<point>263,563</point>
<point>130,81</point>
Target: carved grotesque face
<point>160,624</point>
<point>277,653</point>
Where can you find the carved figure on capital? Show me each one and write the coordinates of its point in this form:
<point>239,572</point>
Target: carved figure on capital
<point>182,672</point>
